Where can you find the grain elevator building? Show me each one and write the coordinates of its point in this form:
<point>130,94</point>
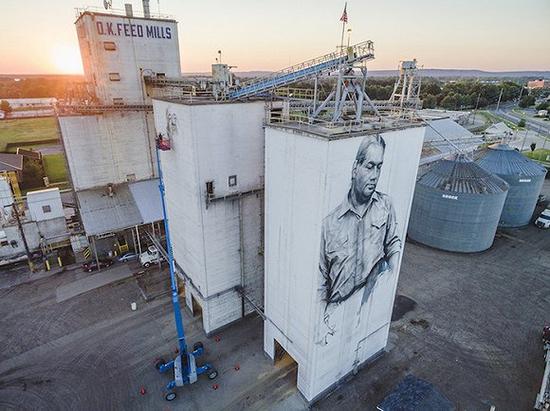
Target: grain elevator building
<point>107,123</point>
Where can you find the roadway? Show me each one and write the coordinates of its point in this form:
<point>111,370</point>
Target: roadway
<point>540,126</point>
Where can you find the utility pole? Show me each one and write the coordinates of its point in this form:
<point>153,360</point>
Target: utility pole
<point>499,98</point>
<point>520,93</point>
<point>524,138</point>
<point>20,226</point>
<point>477,105</point>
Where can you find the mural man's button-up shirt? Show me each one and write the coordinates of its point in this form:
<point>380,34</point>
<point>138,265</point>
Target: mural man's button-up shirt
<point>354,246</point>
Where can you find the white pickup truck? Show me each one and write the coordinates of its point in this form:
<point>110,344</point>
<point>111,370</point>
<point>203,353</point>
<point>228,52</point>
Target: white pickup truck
<point>543,220</point>
<point>151,256</point>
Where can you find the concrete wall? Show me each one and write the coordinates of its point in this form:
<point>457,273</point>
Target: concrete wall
<point>53,230</point>
<point>141,45</point>
<point>211,142</point>
<point>109,148</point>
<point>32,236</point>
<point>38,200</point>
<point>306,179</point>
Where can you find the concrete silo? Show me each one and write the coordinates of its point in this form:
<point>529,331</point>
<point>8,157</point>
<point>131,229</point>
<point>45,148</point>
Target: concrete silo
<point>213,174</point>
<point>457,206</point>
<point>318,244</point>
<point>525,178</point>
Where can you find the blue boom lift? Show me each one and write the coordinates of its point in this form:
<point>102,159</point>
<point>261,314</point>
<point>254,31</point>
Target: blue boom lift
<point>184,365</point>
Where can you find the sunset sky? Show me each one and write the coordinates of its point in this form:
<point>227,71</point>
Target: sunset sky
<point>39,36</point>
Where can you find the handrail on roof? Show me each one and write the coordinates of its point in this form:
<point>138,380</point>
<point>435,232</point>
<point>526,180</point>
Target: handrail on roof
<point>120,13</point>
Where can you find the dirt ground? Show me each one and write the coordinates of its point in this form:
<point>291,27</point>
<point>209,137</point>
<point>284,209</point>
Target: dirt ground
<point>470,324</point>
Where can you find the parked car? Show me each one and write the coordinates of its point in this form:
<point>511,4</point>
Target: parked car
<point>543,220</point>
<point>127,257</point>
<point>90,266</point>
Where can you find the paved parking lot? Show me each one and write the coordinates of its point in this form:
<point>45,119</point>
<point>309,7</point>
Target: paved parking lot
<point>470,324</point>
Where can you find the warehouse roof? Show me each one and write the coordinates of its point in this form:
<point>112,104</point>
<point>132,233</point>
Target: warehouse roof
<point>446,128</point>
<point>499,128</point>
<point>11,162</point>
<point>147,196</point>
<point>128,205</point>
<point>443,137</point>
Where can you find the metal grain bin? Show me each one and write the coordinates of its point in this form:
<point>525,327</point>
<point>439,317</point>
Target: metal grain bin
<point>457,206</point>
<point>525,178</point>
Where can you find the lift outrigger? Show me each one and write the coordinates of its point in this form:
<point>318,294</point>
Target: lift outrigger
<point>184,365</point>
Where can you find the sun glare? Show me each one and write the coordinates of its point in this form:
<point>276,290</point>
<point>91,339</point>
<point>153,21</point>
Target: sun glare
<point>66,59</point>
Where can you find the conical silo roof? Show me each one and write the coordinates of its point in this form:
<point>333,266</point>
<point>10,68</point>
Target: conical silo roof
<point>502,159</point>
<point>461,175</point>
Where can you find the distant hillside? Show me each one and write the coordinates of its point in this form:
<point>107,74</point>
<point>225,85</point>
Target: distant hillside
<point>430,72</point>
<point>427,72</point>
<point>439,73</point>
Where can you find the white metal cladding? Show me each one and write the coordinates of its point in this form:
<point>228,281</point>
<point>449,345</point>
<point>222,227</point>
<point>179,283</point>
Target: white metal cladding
<point>211,142</point>
<point>45,204</point>
<point>306,177</point>
<point>141,45</point>
<point>109,148</point>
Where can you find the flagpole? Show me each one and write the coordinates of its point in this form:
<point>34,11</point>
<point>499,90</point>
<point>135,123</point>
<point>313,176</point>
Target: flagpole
<point>342,39</point>
<point>343,29</point>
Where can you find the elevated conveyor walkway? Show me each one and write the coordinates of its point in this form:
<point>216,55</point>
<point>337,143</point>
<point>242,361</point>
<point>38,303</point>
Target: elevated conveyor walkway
<point>329,62</point>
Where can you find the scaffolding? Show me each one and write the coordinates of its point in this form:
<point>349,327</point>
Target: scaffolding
<point>406,91</point>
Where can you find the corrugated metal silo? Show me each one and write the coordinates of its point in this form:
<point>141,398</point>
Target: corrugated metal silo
<point>525,178</point>
<point>456,206</point>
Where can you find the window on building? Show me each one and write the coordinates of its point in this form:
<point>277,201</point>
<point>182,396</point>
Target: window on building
<point>118,101</point>
<point>232,181</point>
<point>210,187</point>
<point>109,45</point>
<point>114,76</point>
<point>46,209</point>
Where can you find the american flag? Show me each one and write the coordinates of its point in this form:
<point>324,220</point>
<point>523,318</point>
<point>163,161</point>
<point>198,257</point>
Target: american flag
<point>344,17</point>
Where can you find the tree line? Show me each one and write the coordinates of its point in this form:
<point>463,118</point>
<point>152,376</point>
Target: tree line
<point>452,95</point>
<point>35,87</point>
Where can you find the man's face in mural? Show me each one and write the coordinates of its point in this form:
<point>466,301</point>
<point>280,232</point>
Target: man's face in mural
<point>366,173</point>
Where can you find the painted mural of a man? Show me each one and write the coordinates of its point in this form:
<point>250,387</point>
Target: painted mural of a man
<point>359,239</point>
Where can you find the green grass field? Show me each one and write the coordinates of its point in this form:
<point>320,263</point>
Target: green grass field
<point>28,129</point>
<point>55,168</point>
<point>540,154</point>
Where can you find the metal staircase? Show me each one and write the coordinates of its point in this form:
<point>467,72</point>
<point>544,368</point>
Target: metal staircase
<point>329,62</point>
